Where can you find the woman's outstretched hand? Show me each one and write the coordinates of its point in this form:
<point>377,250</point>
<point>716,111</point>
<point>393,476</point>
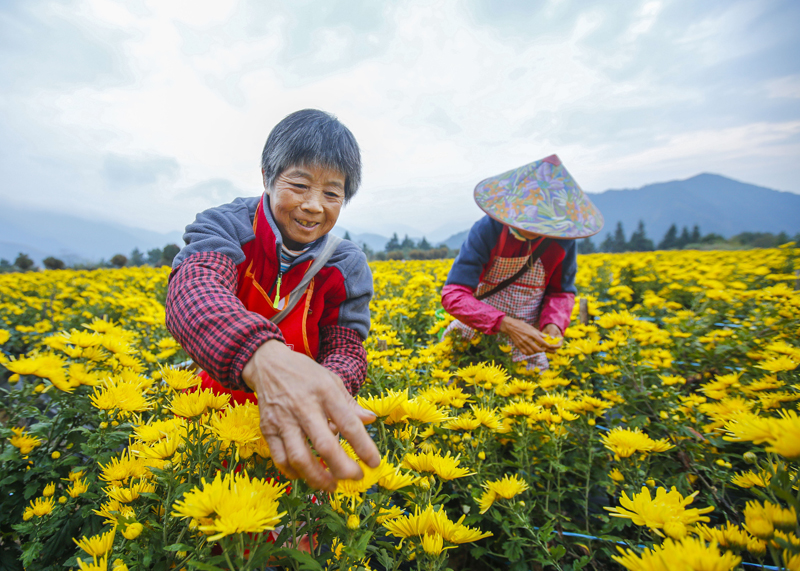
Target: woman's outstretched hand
<point>300,401</point>
<point>527,338</point>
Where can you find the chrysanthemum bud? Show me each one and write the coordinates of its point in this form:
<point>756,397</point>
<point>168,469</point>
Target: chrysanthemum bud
<point>55,455</point>
<point>132,531</point>
<point>750,457</point>
<point>353,522</point>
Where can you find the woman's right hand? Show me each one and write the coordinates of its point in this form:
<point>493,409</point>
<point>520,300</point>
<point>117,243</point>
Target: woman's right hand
<point>525,337</point>
<point>300,401</point>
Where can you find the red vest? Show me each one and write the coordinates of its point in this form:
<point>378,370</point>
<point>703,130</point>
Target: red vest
<point>258,277</point>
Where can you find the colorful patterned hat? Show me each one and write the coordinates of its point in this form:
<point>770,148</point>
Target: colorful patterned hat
<point>541,197</point>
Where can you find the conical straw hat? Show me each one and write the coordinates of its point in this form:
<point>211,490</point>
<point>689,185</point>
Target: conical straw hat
<point>540,197</point>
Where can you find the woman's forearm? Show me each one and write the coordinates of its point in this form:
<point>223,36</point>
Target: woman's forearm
<point>460,302</point>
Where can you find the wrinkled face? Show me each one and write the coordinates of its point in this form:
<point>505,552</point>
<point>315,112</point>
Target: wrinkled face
<point>305,202</point>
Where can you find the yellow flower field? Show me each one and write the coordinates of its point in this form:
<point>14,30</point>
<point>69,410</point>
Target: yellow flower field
<point>664,434</point>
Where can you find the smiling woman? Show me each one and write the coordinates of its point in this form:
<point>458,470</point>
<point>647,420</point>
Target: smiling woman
<point>275,310</point>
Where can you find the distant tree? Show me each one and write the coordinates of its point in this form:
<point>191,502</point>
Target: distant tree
<point>712,238</point>
<point>52,263</point>
<point>170,251</point>
<point>684,239</point>
<point>5,264</point>
<point>670,239</point>
<point>615,242</point>
<point>367,250</point>
<point>136,258</point>
<point>782,238</point>
<point>696,236</point>
<point>586,246</point>
<point>639,241</point>
<point>393,243</point>
<point>407,243</point>
<point>423,244</point>
<point>119,261</point>
<point>154,256</point>
<point>347,236</point>
<point>23,262</point>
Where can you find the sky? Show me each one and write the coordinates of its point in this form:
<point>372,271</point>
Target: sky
<point>147,112</point>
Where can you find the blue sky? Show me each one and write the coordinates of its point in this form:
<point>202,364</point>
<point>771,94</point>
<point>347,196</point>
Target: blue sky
<point>147,112</point>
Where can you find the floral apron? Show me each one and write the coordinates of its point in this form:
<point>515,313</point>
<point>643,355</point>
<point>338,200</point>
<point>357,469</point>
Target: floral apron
<point>521,300</point>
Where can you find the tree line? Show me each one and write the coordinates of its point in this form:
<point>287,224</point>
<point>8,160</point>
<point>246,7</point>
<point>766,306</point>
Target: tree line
<point>685,239</point>
<point>407,249</point>
<point>154,257</point>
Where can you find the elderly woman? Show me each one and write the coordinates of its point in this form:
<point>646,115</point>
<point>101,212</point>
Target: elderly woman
<point>515,273</point>
<point>267,301</point>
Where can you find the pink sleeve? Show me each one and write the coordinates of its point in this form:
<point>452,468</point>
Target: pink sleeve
<point>557,309</point>
<point>459,302</point>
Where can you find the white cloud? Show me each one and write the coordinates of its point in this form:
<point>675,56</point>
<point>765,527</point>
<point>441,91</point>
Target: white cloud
<point>437,100</point>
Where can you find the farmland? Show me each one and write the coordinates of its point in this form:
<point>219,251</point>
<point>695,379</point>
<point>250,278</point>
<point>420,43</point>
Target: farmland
<point>664,431</point>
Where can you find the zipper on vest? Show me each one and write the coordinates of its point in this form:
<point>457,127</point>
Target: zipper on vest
<point>277,290</point>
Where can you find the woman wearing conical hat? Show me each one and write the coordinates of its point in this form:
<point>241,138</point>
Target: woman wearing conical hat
<point>515,273</point>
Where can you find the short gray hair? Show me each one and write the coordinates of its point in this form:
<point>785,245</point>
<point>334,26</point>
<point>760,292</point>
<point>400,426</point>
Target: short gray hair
<point>312,137</point>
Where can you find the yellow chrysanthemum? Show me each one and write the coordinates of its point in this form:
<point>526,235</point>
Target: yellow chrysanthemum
<point>384,405</point>
<point>131,493</point>
<point>24,441</point>
<point>233,504</point>
<point>97,545</point>
<point>41,506</point>
<point>120,469</point>
<point>118,394</point>
<point>625,442</point>
<point>427,521</point>
<point>729,535</point>
<point>487,417</point>
<point>778,364</point>
<point>193,404</point>
<point>420,410</point>
<point>179,379</point>
<point>446,467</point>
<point>372,476</point>
<point>462,422</point>
<point>238,424</point>
<point>507,488</point>
<point>96,564</point>
<point>113,510</point>
<point>687,553</point>
<point>749,479</point>
<point>158,429</point>
<point>77,488</point>
<point>657,513</point>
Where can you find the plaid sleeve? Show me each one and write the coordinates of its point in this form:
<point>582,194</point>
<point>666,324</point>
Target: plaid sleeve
<point>210,322</point>
<point>341,350</point>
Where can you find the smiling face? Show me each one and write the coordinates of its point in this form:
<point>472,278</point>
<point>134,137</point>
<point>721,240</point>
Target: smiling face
<point>305,202</point>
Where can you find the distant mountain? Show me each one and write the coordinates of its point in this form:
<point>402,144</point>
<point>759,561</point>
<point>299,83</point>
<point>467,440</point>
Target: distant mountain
<point>454,242</point>
<point>376,242</point>
<point>41,234</point>
<point>715,203</point>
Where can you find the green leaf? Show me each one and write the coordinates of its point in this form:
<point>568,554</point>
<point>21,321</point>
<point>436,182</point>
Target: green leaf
<point>204,566</point>
<point>305,559</point>
<point>579,564</point>
<point>178,547</point>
